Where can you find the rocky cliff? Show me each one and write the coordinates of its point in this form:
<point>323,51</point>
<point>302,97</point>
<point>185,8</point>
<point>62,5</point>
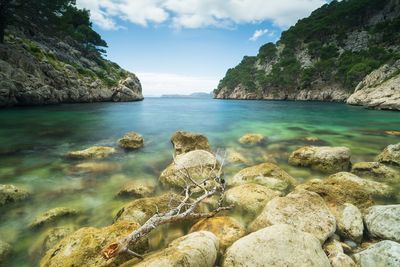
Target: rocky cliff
<point>339,47</point>
<point>48,70</point>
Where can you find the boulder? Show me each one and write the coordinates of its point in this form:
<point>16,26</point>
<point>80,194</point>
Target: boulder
<point>131,141</point>
<point>10,193</point>
<point>383,254</point>
<point>196,249</point>
<point>336,255</point>
<point>349,222</point>
<point>390,155</point>
<point>52,215</point>
<point>383,222</point>
<point>95,152</point>
<point>137,189</point>
<point>306,211</point>
<point>233,156</point>
<point>83,247</point>
<point>325,159</point>
<point>276,246</point>
<point>5,253</point>
<point>225,228</point>
<point>198,164</point>
<point>249,198</point>
<point>266,174</point>
<point>345,187</point>
<point>252,139</point>
<point>376,171</point>
<point>184,142</point>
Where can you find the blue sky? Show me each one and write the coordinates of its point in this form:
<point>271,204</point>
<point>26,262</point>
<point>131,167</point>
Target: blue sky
<point>185,46</point>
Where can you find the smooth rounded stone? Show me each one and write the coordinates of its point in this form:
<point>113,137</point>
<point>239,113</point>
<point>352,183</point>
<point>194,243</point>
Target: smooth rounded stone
<point>252,139</point>
<point>345,187</point>
<point>198,164</point>
<point>394,133</point>
<point>5,252</point>
<point>376,171</point>
<point>53,215</point>
<point>383,254</point>
<point>235,157</point>
<point>83,247</point>
<point>95,167</point>
<point>276,246</point>
<point>266,174</point>
<point>140,210</point>
<point>325,159</point>
<point>163,235</point>
<point>249,198</point>
<point>131,141</point>
<point>184,142</point>
<point>349,222</point>
<point>336,255</point>
<point>390,155</point>
<point>95,152</point>
<point>383,222</point>
<point>10,193</point>
<point>49,239</point>
<point>225,228</point>
<point>199,249</point>
<point>304,210</point>
<point>139,188</point>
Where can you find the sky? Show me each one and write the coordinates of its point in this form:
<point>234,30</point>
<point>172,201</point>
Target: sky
<point>186,46</point>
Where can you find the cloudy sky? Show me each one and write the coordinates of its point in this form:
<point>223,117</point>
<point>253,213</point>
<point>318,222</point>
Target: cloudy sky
<point>185,46</point>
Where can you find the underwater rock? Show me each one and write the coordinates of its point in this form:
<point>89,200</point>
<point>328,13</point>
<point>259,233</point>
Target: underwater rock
<point>225,228</point>
<point>276,246</point>
<point>252,139</point>
<point>390,155</point>
<point>163,235</point>
<point>325,159</point>
<point>10,193</point>
<point>266,174</point>
<point>383,222</point>
<point>139,188</point>
<point>235,157</point>
<point>95,167</point>
<point>83,247</point>
<point>95,152</point>
<point>5,253</point>
<point>306,211</point>
<point>250,198</point>
<point>336,255</point>
<point>53,215</point>
<point>131,141</point>
<point>184,142</point>
<point>312,139</point>
<point>385,253</point>
<point>376,171</point>
<point>349,222</point>
<point>394,133</point>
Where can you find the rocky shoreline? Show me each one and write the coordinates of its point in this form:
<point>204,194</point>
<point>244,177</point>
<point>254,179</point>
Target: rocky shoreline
<point>336,221</point>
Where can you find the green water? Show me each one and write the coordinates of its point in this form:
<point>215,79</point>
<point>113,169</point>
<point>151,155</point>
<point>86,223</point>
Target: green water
<point>33,142</point>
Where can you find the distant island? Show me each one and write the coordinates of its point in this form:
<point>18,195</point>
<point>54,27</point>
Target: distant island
<point>194,95</point>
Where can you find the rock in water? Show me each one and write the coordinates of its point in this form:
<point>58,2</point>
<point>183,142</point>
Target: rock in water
<point>195,249</point>
<point>95,152</point>
<point>53,215</point>
<point>306,211</point>
<point>225,228</point>
<point>131,141</point>
<point>376,171</point>
<point>349,222</point>
<point>184,142</point>
<point>266,174</point>
<point>383,222</point>
<point>83,248</point>
<point>276,246</point>
<point>252,139</point>
<point>140,188</point>
<point>391,155</point>
<point>324,159</point>
<point>5,253</point>
<point>336,256</point>
<point>383,254</point>
<point>10,193</point>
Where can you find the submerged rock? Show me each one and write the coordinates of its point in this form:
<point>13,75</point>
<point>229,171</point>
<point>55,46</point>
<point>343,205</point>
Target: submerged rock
<point>390,155</point>
<point>394,133</point>
<point>252,139</point>
<point>383,222</point>
<point>131,141</point>
<point>383,254</point>
<point>95,152</point>
<point>266,174</point>
<point>325,159</point>
<point>336,255</point>
<point>53,215</point>
<point>235,157</point>
<point>95,167</point>
<point>184,142</point>
<point>250,198</point>
<point>225,228</point>
<point>276,246</point>
<point>10,193</point>
<point>306,211</point>
<point>376,171</point>
<point>195,249</point>
<point>140,188</point>
<point>5,253</point>
<point>349,222</point>
<point>83,248</point>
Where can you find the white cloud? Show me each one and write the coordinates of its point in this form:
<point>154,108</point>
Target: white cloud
<point>156,84</point>
<point>257,34</point>
<point>198,13</point>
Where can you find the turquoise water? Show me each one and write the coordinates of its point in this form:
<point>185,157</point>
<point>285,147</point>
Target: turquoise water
<point>34,140</point>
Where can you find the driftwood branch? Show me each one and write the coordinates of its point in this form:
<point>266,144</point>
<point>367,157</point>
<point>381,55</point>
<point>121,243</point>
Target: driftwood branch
<point>185,210</point>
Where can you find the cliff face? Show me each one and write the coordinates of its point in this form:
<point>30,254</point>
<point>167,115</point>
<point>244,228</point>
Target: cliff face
<point>44,70</point>
<point>325,57</point>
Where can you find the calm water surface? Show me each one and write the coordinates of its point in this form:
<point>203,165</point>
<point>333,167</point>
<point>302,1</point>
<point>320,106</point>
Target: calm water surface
<point>33,142</point>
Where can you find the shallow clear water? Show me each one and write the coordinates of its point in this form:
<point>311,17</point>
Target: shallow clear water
<point>33,142</point>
